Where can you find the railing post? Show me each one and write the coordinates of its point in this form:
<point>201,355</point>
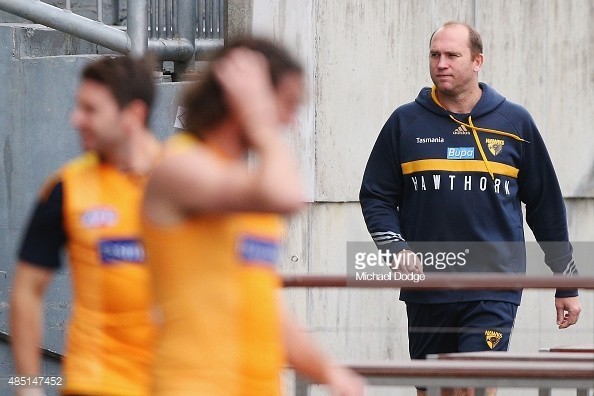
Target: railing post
<point>138,27</point>
<point>480,392</point>
<point>116,12</point>
<point>238,18</point>
<point>100,11</point>
<point>544,391</point>
<point>301,385</point>
<point>186,25</point>
<point>433,391</point>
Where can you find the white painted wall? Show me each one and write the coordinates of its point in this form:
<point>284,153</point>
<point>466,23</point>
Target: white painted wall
<point>363,58</point>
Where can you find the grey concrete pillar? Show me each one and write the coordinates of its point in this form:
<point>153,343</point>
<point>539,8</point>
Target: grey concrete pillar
<point>238,21</point>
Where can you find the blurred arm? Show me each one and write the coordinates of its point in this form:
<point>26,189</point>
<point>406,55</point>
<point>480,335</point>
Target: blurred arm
<point>26,316</point>
<point>308,361</point>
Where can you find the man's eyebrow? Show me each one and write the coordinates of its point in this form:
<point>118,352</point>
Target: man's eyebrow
<point>445,52</point>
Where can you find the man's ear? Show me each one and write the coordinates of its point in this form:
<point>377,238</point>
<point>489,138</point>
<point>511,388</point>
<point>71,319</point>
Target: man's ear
<point>478,62</point>
<point>138,111</point>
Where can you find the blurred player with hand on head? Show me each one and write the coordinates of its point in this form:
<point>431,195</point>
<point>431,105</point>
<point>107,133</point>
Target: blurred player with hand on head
<point>213,229</point>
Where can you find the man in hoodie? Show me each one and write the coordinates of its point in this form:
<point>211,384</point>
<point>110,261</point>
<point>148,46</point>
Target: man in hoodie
<point>454,166</point>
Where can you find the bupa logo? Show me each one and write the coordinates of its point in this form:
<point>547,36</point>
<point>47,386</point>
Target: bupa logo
<point>117,250</point>
<point>259,251</point>
<point>102,216</point>
<point>460,152</point>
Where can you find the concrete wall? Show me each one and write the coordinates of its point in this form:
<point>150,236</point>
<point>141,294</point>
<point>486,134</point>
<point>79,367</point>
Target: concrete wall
<point>35,139</point>
<point>365,58</point>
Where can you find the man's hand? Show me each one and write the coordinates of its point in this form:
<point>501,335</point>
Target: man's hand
<point>345,382</point>
<point>407,262</point>
<point>245,78</point>
<point>568,311</point>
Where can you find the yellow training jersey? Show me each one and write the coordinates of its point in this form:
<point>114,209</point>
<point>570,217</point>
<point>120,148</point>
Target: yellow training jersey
<point>111,334</point>
<point>216,284</point>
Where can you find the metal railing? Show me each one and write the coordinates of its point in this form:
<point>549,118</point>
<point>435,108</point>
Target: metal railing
<point>210,17</point>
<point>116,6</point>
<point>480,374</point>
<point>173,30</point>
<point>513,371</point>
<point>452,281</point>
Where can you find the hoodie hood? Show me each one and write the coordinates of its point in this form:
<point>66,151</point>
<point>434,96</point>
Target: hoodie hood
<point>488,102</point>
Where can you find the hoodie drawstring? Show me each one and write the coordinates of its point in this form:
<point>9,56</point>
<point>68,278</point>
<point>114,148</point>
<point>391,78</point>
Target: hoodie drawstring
<point>480,147</point>
<point>475,130</point>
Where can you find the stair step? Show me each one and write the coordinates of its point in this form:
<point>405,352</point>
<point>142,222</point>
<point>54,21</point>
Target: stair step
<point>35,41</point>
<point>85,8</point>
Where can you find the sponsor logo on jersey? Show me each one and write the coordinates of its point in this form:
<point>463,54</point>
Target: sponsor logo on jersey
<point>460,153</point>
<point>492,338</point>
<point>101,216</point>
<point>255,250</point>
<point>495,145</point>
<point>430,140</point>
<point>114,251</point>
<point>461,130</point>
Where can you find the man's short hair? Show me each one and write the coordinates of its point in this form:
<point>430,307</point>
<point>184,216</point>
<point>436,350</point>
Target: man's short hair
<point>475,42</point>
<point>205,100</point>
<point>127,79</point>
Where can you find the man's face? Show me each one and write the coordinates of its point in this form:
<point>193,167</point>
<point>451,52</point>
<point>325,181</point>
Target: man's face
<point>452,67</point>
<point>289,96</point>
<point>97,117</point>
